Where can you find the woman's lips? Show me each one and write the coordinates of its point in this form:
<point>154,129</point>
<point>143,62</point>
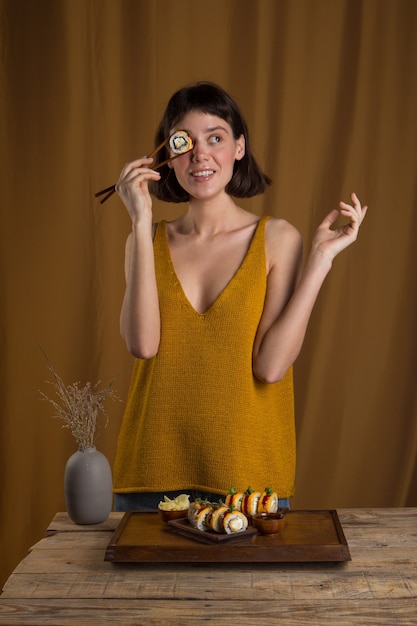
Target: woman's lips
<point>202,174</point>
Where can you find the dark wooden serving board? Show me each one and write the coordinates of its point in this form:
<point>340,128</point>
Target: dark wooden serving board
<point>309,536</point>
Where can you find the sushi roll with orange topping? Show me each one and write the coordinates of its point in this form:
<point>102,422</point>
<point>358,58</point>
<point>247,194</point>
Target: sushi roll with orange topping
<point>193,509</point>
<point>180,142</point>
<point>234,498</point>
<point>250,501</point>
<point>268,502</point>
<point>201,517</point>
<point>215,519</point>
<point>235,522</point>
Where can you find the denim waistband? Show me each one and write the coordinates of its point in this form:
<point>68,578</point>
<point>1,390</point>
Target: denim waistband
<point>149,501</point>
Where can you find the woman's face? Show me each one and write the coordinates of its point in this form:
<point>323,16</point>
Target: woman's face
<point>205,170</point>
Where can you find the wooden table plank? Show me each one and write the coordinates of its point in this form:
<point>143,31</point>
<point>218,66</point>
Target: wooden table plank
<point>191,613</point>
<point>104,580</point>
<point>62,523</point>
<point>41,564</point>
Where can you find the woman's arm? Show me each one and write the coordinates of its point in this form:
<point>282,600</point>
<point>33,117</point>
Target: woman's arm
<point>140,317</point>
<point>290,296</point>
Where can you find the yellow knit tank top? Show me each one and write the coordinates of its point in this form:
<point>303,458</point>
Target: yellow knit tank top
<point>196,417</point>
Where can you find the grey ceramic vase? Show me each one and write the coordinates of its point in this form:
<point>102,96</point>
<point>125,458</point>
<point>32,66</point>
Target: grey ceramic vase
<point>88,486</point>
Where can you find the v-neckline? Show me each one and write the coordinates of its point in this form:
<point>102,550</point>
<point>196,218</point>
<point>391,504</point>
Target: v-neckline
<point>224,291</point>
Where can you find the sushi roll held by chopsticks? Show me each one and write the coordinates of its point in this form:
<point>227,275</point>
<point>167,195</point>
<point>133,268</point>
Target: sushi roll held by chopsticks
<point>180,142</point>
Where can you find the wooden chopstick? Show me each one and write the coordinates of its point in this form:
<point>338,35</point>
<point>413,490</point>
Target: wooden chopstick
<point>158,165</point>
<point>109,191</point>
<point>158,148</point>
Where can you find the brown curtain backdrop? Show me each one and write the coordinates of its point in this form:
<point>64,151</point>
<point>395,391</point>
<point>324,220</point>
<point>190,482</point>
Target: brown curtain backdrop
<point>329,90</point>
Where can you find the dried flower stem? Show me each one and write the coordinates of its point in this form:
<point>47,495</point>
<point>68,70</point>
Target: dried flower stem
<point>78,407</point>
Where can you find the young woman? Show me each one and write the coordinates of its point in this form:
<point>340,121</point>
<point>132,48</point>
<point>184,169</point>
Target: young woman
<point>215,311</point>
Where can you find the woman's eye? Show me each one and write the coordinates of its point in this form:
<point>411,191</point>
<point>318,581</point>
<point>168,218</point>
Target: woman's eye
<point>215,139</point>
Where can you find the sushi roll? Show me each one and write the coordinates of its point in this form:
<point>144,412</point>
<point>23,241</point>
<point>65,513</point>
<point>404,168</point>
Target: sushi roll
<point>250,501</point>
<point>235,522</point>
<point>193,510</point>
<point>201,518</point>
<point>215,519</point>
<point>180,142</point>
<point>234,498</point>
<point>268,502</point>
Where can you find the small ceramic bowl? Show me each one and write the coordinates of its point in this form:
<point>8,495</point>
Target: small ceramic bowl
<point>269,523</point>
<point>167,516</point>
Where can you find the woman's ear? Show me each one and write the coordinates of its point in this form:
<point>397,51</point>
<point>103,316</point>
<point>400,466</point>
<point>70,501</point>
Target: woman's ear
<point>240,148</point>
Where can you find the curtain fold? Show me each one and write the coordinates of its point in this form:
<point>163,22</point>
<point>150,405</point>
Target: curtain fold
<point>329,91</point>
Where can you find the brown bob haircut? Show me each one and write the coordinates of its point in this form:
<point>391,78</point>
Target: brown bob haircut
<point>247,180</point>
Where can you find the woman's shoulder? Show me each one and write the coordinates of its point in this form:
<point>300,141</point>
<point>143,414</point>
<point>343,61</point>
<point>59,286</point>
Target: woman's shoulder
<point>279,228</point>
<point>282,240</point>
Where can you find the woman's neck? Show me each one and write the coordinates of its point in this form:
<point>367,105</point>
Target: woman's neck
<point>211,216</point>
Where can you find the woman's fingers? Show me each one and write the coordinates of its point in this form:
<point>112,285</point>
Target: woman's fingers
<point>329,240</point>
<point>137,163</point>
<point>137,172</point>
<point>354,210</point>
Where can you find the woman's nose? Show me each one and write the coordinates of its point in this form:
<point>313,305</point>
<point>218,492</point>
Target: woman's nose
<point>199,152</point>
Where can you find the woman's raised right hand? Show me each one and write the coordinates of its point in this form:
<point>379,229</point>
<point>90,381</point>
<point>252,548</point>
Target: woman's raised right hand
<point>133,187</point>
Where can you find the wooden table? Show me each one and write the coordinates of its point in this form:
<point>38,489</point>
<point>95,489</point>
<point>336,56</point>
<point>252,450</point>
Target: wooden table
<point>65,580</point>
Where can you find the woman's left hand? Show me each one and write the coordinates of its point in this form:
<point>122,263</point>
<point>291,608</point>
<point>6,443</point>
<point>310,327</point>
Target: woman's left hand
<point>329,242</point>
